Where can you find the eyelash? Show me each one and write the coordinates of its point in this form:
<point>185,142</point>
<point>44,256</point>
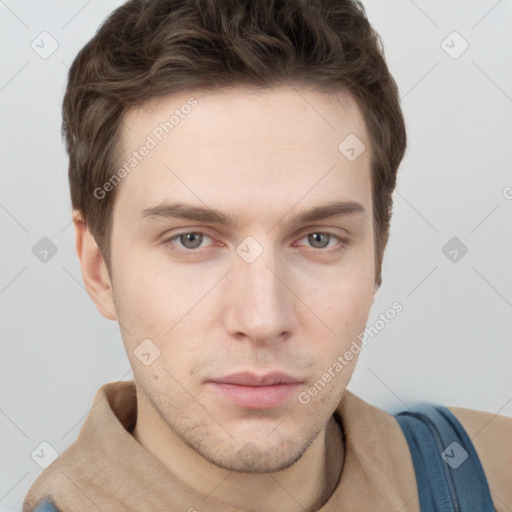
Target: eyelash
<point>197,252</point>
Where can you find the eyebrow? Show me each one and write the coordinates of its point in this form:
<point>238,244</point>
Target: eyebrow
<point>202,214</point>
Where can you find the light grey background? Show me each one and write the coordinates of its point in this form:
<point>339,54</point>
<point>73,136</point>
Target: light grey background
<point>450,344</point>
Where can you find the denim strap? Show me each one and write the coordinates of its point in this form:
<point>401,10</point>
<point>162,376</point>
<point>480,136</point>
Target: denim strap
<point>449,474</point>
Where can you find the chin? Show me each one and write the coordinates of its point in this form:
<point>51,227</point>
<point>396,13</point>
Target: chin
<point>251,459</point>
<point>247,454</point>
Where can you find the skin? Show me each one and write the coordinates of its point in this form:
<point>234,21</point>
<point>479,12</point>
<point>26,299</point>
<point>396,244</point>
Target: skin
<point>262,156</point>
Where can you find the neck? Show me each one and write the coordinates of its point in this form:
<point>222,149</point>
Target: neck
<point>305,485</point>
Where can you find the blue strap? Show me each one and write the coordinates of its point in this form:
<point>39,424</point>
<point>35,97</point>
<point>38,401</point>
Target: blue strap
<point>449,474</point>
<point>46,506</point>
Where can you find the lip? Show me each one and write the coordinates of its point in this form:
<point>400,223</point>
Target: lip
<point>252,391</point>
<point>251,379</point>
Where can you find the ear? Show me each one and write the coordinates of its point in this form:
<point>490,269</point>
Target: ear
<point>376,289</point>
<point>94,270</point>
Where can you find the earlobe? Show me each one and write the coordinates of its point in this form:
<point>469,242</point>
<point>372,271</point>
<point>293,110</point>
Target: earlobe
<point>94,270</point>
<point>376,289</point>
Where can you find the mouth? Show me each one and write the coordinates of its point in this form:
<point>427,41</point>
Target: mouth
<point>251,391</point>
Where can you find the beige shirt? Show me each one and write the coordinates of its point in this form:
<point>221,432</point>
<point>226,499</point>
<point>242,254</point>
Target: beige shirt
<point>107,469</point>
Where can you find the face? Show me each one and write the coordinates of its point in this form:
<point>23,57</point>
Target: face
<point>236,289</point>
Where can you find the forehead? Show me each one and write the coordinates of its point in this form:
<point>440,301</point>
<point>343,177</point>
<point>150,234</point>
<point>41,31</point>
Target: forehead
<point>266,114</point>
<point>242,147</point>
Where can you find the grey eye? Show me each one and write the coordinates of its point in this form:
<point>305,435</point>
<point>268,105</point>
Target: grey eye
<point>191,240</point>
<point>316,241</point>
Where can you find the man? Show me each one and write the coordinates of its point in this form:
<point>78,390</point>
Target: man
<point>231,171</point>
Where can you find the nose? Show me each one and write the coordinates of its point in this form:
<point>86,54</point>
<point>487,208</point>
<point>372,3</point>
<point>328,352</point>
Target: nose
<point>260,300</point>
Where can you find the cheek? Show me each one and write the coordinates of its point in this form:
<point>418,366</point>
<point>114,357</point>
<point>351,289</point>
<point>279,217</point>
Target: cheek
<point>342,307</point>
<point>146,302</point>
<point>159,300</point>
<point>345,294</point>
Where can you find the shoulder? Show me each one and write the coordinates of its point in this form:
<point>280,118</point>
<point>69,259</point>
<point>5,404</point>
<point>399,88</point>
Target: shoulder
<point>491,436</point>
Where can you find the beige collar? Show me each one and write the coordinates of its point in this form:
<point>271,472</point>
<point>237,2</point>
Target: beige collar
<point>107,468</point>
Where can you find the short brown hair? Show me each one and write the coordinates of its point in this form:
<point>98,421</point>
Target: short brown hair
<point>151,48</point>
